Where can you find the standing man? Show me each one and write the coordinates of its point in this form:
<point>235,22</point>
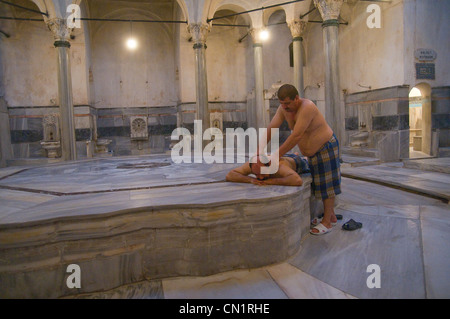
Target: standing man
<point>316,140</point>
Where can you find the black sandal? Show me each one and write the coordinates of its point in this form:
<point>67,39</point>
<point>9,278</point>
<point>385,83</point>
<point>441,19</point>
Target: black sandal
<point>351,225</point>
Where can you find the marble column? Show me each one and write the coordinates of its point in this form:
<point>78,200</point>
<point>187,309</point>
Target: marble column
<point>61,34</point>
<point>199,32</point>
<point>6,152</point>
<point>329,10</point>
<point>297,28</point>
<point>260,111</point>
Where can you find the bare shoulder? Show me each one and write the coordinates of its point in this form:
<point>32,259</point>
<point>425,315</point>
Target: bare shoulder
<point>307,108</point>
<point>284,169</point>
<point>243,169</point>
<point>308,105</point>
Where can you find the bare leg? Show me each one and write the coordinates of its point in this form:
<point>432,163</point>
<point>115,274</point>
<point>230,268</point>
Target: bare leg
<point>328,214</point>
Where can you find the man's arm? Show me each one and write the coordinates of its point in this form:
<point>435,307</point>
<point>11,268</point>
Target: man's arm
<point>276,122</point>
<point>303,120</point>
<point>240,174</point>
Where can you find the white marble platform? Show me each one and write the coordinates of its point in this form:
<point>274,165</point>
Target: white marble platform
<point>124,224</point>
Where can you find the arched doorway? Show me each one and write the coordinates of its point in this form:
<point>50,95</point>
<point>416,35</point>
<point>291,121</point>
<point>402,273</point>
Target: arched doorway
<point>420,121</point>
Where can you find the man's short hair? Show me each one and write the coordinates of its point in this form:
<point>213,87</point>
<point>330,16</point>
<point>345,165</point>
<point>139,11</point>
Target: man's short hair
<point>261,156</point>
<point>287,90</point>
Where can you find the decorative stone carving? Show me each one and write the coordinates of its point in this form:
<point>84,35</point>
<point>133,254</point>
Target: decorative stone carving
<point>51,127</point>
<point>59,29</point>
<point>216,120</point>
<point>297,28</point>
<point>101,145</point>
<point>52,139</point>
<point>138,128</point>
<point>329,9</point>
<point>199,32</point>
<point>272,92</point>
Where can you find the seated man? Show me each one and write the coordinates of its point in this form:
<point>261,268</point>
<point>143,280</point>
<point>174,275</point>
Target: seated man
<point>288,174</point>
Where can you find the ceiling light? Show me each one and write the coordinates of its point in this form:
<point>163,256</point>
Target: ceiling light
<point>132,43</point>
<point>263,35</point>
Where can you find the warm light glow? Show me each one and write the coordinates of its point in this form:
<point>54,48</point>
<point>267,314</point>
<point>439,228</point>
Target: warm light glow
<point>415,92</point>
<point>132,44</point>
<point>263,35</point>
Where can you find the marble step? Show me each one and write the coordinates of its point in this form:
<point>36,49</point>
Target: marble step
<point>360,151</point>
<point>444,152</point>
<point>441,165</point>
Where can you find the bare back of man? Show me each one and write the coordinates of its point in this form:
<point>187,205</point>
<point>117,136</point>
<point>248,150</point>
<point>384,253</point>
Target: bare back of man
<point>286,174</point>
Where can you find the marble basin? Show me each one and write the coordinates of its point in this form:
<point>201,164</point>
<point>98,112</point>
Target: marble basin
<point>130,219</point>
<point>52,148</point>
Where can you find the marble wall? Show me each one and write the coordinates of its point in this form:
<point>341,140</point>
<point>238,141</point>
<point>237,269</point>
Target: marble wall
<point>440,114</point>
<point>114,124</point>
<point>27,130</point>
<point>385,115</point>
<point>5,135</point>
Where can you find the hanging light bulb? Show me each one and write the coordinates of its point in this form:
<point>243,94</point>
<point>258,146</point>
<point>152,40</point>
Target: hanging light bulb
<point>263,35</point>
<point>132,44</point>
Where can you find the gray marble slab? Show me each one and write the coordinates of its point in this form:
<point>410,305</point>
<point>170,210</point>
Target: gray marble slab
<point>108,175</point>
<point>341,257</point>
<point>433,183</point>
<point>435,226</point>
<point>299,285</point>
<point>239,284</point>
<point>364,193</point>
<point>120,202</point>
<point>441,165</point>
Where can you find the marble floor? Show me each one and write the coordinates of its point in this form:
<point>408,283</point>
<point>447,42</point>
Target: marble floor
<point>406,231</point>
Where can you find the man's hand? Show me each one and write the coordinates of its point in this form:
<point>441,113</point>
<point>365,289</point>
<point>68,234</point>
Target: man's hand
<point>258,182</point>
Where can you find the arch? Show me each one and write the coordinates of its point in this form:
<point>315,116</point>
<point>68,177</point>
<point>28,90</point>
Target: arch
<point>420,118</point>
<point>235,6</point>
<point>45,6</point>
<point>270,12</point>
<point>183,7</point>
<point>275,15</point>
<point>292,11</point>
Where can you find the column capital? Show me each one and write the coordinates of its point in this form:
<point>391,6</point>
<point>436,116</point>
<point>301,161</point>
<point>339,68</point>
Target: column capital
<point>199,32</point>
<point>59,28</point>
<point>329,9</point>
<point>297,28</point>
<point>255,34</point>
